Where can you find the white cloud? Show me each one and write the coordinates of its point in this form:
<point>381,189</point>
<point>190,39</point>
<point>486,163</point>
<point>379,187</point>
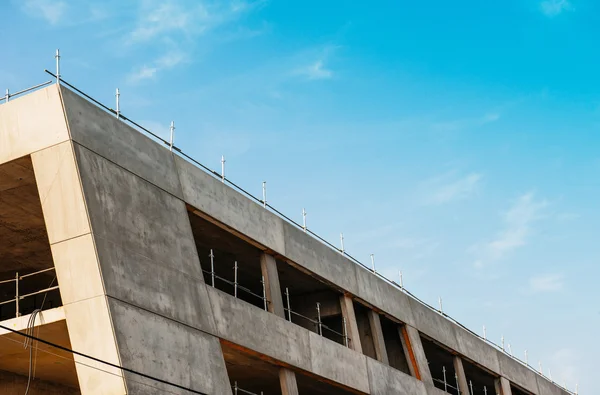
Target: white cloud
<point>316,71</point>
<point>445,190</point>
<point>518,227</point>
<point>143,73</point>
<point>165,62</point>
<point>552,8</point>
<point>50,10</point>
<point>546,283</point>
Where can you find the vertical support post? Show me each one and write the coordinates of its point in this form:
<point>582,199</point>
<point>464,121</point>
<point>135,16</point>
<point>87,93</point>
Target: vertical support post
<point>461,378</point>
<point>289,309</point>
<point>172,135</point>
<point>222,168</point>
<point>118,95</point>
<point>304,220</point>
<point>350,316</point>
<point>526,358</point>
<point>401,280</point>
<point>287,380</point>
<point>484,333</point>
<point>471,387</point>
<point>502,342</point>
<point>445,382</point>
<point>541,371</point>
<point>17,297</point>
<point>235,387</point>
<point>373,262</point>
<point>212,267</point>
<point>457,385</point>
<point>441,305</point>
<point>377,334</point>
<point>503,386</point>
<point>510,350</point>
<point>57,57</point>
<point>342,242</point>
<point>264,194</point>
<point>319,319</point>
<point>415,354</point>
<point>271,286</point>
<point>264,292</point>
<point>235,279</point>
<point>7,96</point>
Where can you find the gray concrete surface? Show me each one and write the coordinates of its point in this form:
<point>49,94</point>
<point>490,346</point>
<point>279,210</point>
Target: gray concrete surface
<point>517,373</point>
<point>384,380</point>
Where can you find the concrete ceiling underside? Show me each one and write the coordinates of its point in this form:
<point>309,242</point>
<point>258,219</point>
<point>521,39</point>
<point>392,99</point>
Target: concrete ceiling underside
<point>24,242</point>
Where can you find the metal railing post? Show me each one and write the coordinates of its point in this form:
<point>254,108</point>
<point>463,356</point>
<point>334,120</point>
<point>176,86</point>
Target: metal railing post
<point>7,96</point>
<point>471,386</point>
<point>445,382</point>
<point>304,220</point>
<point>264,292</point>
<point>264,186</point>
<point>457,386</point>
<point>117,95</point>
<point>345,331</point>
<point>57,57</point>
<point>319,319</point>
<point>212,267</point>
<point>235,387</point>
<point>172,129</point>
<point>17,295</point>
<point>287,297</point>
<point>235,279</point>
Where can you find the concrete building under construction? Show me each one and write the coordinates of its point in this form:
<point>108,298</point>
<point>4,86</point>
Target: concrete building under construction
<point>126,268</point>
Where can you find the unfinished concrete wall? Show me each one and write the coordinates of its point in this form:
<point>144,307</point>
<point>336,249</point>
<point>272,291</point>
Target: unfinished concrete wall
<point>14,384</point>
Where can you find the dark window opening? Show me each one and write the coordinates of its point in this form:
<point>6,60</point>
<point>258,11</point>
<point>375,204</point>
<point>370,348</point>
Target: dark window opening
<point>393,344</point>
<point>518,391</point>
<point>220,252</point>
<point>480,381</point>
<point>364,329</point>
<point>441,366</point>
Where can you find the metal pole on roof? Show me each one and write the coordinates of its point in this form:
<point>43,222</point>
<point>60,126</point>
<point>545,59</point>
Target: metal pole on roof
<point>212,267</point>
<point>117,95</point>
<point>373,262</point>
<point>57,57</point>
<point>264,185</point>
<point>304,220</point>
<point>7,96</point>
<point>172,135</point>
<point>342,241</point>
<point>222,168</point>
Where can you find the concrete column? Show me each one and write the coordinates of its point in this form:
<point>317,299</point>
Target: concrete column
<point>351,324</point>
<point>415,354</point>
<point>378,340</point>
<point>287,379</point>
<point>268,267</point>
<point>503,386</point>
<point>463,385</point>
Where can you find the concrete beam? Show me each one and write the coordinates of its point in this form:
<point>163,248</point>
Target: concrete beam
<point>268,267</point>
<point>415,354</point>
<point>463,385</point>
<point>503,386</point>
<point>351,324</point>
<point>287,379</point>
<point>378,340</point>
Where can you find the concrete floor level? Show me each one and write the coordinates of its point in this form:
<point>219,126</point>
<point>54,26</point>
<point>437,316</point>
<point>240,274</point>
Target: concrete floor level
<point>126,229</point>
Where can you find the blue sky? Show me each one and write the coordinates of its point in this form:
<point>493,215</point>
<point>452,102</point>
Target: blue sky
<point>458,142</point>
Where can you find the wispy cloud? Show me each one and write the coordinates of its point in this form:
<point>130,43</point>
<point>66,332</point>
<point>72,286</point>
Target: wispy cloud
<point>316,71</point>
<point>552,8</point>
<point>448,188</point>
<point>149,71</point>
<point>50,10</point>
<point>524,212</point>
<point>465,123</point>
<point>546,283</point>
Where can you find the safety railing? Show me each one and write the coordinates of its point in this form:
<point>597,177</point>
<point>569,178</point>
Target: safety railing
<point>238,390</point>
<point>318,323</point>
<point>235,284</point>
<point>18,297</point>
<point>7,95</point>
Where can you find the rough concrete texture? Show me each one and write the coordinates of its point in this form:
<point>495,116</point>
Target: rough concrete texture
<point>144,242</point>
<point>385,296</point>
<point>545,387</point>
<point>411,340</point>
<point>91,333</point>
<point>167,350</point>
<point>14,384</point>
<point>504,386</point>
<point>230,207</point>
<point>287,380</point>
<point>476,349</point>
<point>258,330</point>
<point>60,192</point>
<point>30,123</point>
<point>111,138</point>
<point>338,363</point>
<point>384,380</point>
<point>433,325</point>
<point>517,373</point>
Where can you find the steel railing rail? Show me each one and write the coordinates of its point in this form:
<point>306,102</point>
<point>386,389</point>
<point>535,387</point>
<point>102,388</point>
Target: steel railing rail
<point>18,297</point>
<point>9,95</point>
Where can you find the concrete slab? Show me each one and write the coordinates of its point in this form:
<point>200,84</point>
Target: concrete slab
<point>135,279</point>
<point>383,295</point>
<point>476,349</point>
<point>250,327</point>
<point>517,373</point>
<point>338,363</point>
<point>77,269</point>
<point>433,325</point>
<point>140,217</point>
<point>30,123</point>
<point>384,380</point>
<point>415,354</point>
<point>315,256</point>
<point>229,207</point>
<point>431,390</point>
<point>91,333</point>
<point>102,133</point>
<point>60,192</point>
<point>545,387</point>
<point>162,348</point>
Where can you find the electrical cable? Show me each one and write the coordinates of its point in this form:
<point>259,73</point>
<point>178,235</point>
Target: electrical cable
<point>128,370</point>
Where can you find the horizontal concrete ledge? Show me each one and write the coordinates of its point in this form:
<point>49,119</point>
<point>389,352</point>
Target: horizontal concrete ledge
<point>45,317</point>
